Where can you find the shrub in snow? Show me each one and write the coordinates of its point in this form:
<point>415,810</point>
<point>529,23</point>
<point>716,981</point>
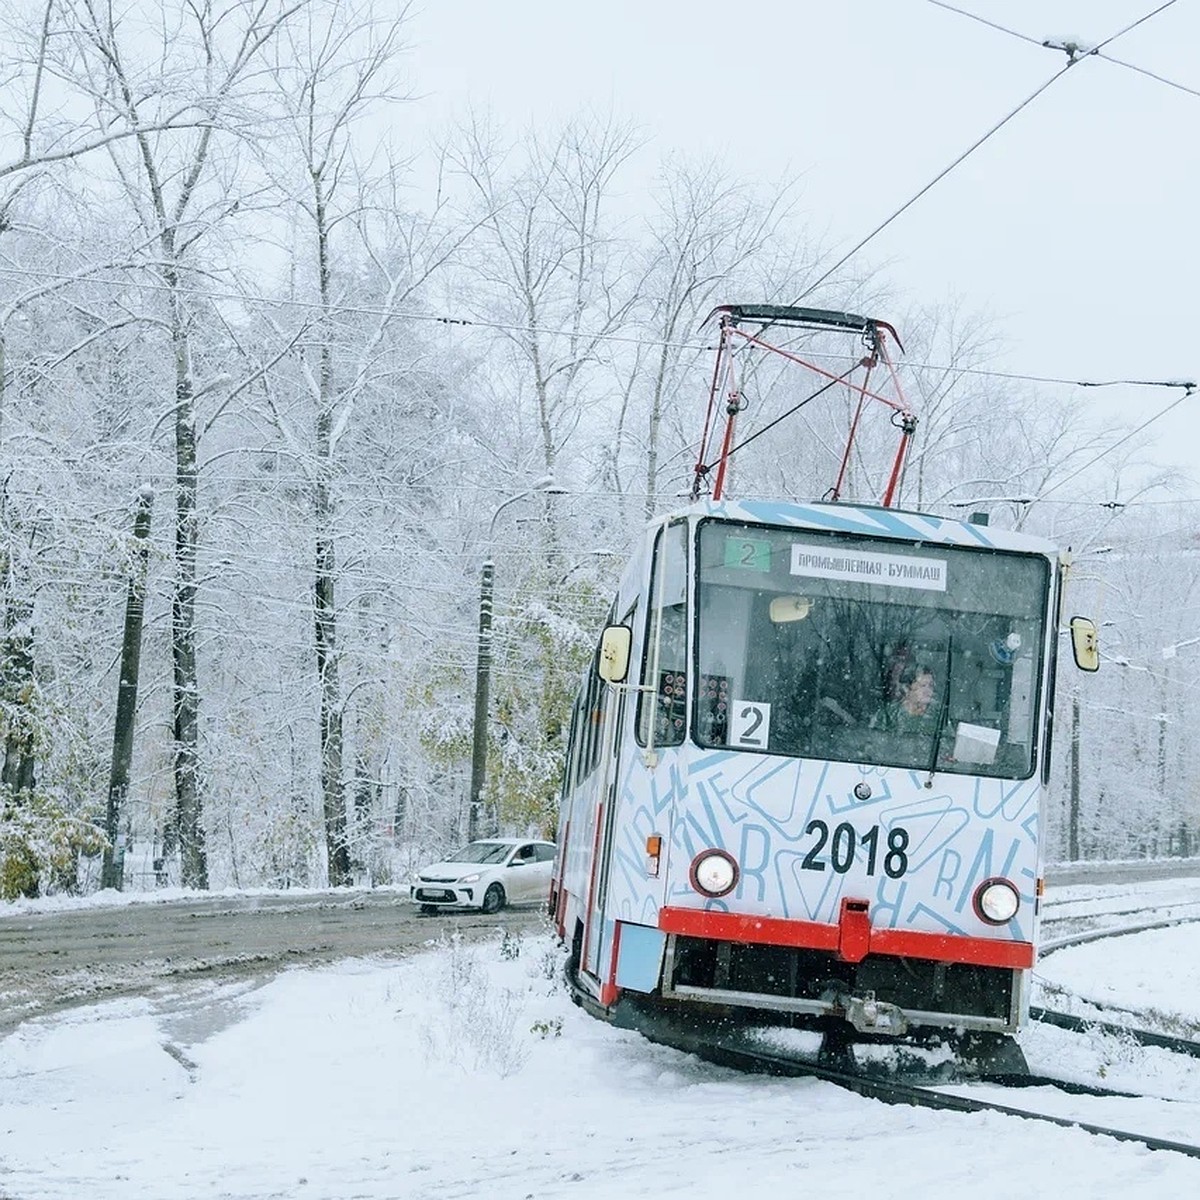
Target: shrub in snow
<point>40,844</point>
<point>474,1022</point>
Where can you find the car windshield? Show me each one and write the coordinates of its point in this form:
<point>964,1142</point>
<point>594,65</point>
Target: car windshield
<point>481,852</point>
<point>864,650</point>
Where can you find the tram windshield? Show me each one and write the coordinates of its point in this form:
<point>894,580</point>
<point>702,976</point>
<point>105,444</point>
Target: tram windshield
<point>925,656</point>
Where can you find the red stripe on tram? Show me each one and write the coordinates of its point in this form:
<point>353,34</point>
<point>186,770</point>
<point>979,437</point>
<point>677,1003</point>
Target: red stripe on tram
<point>815,935</point>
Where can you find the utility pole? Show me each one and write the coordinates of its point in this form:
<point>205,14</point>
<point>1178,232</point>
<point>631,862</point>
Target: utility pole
<point>1073,816</point>
<point>483,668</point>
<point>112,872</point>
<point>483,662</point>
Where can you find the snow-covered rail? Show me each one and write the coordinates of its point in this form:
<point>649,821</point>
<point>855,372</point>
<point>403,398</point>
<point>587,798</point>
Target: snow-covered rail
<point>1081,911</point>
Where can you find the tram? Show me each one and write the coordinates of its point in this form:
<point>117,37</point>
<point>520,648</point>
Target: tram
<point>807,767</point>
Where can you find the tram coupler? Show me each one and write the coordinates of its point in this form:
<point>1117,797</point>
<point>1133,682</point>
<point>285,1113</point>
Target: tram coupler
<point>867,1014</point>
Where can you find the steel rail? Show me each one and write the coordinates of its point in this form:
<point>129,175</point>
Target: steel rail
<point>1098,935</point>
<point>888,1091</point>
<point>896,1092</point>
<point>1144,1037</point>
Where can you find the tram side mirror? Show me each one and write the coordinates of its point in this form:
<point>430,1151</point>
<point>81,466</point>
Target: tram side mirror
<point>789,608</point>
<point>1085,643</point>
<point>614,653</point>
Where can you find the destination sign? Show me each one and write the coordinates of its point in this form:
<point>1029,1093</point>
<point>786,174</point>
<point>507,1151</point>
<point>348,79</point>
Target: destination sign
<point>887,570</point>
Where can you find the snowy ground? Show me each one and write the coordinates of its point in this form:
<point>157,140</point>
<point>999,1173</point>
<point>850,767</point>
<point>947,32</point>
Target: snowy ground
<point>466,1072</point>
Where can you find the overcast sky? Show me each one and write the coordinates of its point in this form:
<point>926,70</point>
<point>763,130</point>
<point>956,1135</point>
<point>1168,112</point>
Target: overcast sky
<point>1074,226</point>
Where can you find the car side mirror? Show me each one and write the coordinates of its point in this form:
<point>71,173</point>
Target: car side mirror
<point>517,862</point>
<point>1085,643</point>
<point>615,644</point>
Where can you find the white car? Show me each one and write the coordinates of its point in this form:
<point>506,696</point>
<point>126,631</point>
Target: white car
<point>487,875</point>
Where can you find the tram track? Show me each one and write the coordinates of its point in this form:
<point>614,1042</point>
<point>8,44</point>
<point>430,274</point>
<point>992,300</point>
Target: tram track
<point>1074,1023</point>
<point>900,1092</point>
<point>1090,1016</point>
<point>1075,920</point>
<point>1060,933</point>
<point>897,1091</point>
<point>735,1053</point>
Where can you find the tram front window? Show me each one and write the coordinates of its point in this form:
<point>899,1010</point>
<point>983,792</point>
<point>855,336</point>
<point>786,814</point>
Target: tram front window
<point>864,650</point>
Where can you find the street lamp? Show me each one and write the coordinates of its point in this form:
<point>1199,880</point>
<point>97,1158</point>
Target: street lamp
<point>588,557</point>
<point>980,517</point>
<point>483,662</point>
<point>1173,649</point>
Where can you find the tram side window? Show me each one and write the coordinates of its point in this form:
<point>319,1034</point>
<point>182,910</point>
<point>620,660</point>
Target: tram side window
<point>571,771</point>
<point>592,714</point>
<point>664,664</point>
<point>591,717</point>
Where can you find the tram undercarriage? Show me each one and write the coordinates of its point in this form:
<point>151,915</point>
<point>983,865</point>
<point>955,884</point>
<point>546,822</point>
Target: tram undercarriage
<point>882,994</point>
<point>704,1020</point>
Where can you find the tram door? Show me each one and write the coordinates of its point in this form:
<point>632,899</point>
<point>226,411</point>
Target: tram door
<point>659,671</point>
<point>612,727</point>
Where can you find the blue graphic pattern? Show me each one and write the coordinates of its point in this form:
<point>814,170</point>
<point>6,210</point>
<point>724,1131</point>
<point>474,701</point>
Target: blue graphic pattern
<point>759,808</point>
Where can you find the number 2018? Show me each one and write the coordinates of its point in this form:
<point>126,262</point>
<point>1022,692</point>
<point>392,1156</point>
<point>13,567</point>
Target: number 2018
<point>846,840</point>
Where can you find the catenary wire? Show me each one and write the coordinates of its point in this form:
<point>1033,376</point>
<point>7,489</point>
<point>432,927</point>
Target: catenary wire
<point>962,12</point>
<point>474,323</point>
<point>1072,59</point>
<point>933,182</point>
<point>1043,44</point>
<point>1188,391</point>
<point>1171,83</point>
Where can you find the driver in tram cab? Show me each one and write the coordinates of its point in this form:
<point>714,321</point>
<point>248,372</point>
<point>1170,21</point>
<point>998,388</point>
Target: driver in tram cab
<point>912,708</point>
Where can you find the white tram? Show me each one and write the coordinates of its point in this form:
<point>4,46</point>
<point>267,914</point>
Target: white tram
<point>806,771</point>
<point>756,811</point>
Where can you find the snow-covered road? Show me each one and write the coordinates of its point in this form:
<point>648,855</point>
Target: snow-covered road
<point>466,1072</point>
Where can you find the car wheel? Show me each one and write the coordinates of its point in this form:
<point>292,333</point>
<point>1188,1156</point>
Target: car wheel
<point>428,910</point>
<point>493,899</point>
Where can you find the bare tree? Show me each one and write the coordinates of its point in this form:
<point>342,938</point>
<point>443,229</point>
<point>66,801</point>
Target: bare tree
<point>52,132</point>
<point>707,238</point>
<point>215,48</point>
<point>552,271</point>
<point>337,68</point>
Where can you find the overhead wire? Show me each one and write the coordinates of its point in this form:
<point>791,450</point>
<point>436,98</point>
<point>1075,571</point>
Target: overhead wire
<point>859,245</point>
<point>1171,83</point>
<point>962,12</point>
<point>1189,389</point>
<point>1074,56</point>
<point>469,324</point>
<point>1096,52</point>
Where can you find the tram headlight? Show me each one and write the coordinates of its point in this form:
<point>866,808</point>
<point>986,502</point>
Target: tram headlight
<point>996,901</point>
<point>714,873</point>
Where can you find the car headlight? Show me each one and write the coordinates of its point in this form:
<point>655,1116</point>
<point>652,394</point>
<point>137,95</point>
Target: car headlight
<point>996,901</point>
<point>714,873</point>
<point>471,878</point>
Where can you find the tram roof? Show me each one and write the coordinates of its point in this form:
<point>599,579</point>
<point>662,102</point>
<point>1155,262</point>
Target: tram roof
<point>868,520</point>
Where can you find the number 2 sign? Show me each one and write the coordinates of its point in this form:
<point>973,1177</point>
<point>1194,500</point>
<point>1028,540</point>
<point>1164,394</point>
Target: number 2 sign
<point>749,724</point>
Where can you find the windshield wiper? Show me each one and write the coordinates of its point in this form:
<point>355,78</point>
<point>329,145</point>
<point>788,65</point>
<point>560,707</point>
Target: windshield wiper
<point>943,715</point>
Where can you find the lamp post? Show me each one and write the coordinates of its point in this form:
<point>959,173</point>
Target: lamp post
<point>1170,651</point>
<point>1020,507</point>
<point>483,662</point>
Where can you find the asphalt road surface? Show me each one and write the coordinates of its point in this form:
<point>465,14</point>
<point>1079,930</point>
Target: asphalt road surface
<point>54,960</point>
<point>169,949</point>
